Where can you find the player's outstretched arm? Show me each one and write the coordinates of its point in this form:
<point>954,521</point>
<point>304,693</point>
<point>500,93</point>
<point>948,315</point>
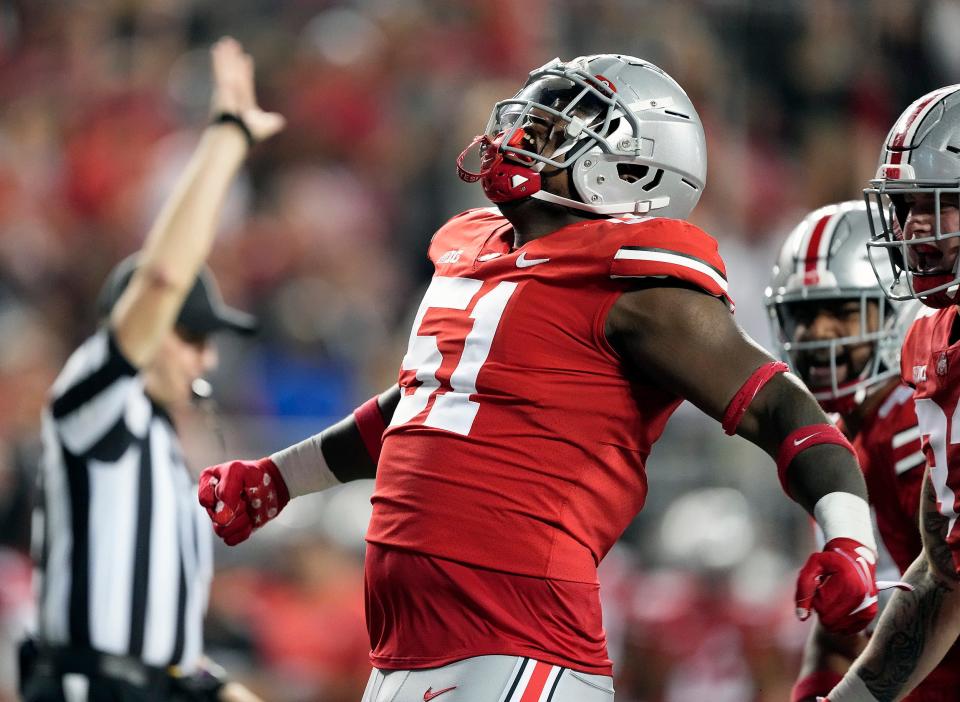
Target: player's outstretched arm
<point>917,627</point>
<point>180,239</point>
<point>687,342</point>
<point>241,496</point>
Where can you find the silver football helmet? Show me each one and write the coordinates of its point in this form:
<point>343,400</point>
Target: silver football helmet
<point>631,136</point>
<point>921,155</point>
<point>824,259</point>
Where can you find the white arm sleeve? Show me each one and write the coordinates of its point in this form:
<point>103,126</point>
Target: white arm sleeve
<point>303,467</point>
<point>845,514</point>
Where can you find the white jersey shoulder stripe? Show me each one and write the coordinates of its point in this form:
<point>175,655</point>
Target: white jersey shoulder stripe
<point>896,398</point>
<point>905,437</point>
<point>914,460</point>
<point>674,259</point>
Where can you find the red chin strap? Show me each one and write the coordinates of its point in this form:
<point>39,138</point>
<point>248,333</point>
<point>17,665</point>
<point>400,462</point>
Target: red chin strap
<point>937,300</point>
<point>502,180</point>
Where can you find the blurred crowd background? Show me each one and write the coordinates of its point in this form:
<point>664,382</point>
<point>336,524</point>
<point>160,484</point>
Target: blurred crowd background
<point>324,238</point>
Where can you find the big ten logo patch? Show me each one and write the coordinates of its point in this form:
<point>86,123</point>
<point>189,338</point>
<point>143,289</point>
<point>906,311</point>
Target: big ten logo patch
<point>451,256</point>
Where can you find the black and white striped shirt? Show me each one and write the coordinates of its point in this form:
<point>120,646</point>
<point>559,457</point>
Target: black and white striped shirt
<point>123,547</point>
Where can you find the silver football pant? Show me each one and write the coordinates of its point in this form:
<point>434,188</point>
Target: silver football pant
<point>489,679</point>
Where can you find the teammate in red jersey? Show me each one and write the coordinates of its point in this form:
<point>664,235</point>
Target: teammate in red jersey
<point>842,336</point>
<point>560,331</point>
<point>915,199</point>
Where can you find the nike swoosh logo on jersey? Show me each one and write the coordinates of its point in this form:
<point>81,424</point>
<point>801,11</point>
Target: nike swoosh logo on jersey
<point>430,694</point>
<point>524,262</point>
<point>797,442</point>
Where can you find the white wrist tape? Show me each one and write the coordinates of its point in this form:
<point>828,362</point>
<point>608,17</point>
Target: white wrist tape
<point>303,467</point>
<point>851,689</point>
<point>844,514</point>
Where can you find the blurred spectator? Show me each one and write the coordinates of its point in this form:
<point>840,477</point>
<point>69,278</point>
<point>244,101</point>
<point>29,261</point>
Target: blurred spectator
<point>327,239</point>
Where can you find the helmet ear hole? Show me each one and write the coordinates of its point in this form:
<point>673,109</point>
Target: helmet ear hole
<point>637,173</point>
<point>632,172</point>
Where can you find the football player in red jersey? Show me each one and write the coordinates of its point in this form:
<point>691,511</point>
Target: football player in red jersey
<point>842,336</point>
<point>560,331</point>
<point>915,200</point>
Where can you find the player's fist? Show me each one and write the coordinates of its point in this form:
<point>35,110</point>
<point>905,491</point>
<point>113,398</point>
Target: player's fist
<point>839,584</point>
<point>241,496</point>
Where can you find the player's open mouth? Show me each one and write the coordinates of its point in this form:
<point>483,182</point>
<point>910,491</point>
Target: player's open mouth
<point>927,259</point>
<point>819,374</point>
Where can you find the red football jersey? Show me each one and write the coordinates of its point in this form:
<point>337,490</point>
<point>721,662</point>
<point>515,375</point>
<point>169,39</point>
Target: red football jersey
<point>931,364</point>
<point>520,439</point>
<point>888,448</point>
<point>516,455</point>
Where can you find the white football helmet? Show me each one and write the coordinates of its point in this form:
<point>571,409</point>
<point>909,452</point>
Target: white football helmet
<point>921,155</point>
<point>632,139</point>
<point>825,259</point>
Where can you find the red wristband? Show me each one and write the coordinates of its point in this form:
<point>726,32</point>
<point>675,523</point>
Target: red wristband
<point>803,438</point>
<point>817,683</point>
<point>741,401</point>
<point>370,423</point>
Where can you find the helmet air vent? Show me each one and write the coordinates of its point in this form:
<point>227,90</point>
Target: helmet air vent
<point>655,182</point>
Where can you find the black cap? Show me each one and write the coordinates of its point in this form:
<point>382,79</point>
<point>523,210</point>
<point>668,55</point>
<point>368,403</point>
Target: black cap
<point>203,311</point>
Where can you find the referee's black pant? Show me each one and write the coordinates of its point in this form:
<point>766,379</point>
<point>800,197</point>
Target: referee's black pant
<point>74,687</point>
<point>81,675</point>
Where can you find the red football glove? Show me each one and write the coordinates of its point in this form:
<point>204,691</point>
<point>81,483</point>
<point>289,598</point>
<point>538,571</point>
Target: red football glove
<point>241,496</point>
<point>839,583</point>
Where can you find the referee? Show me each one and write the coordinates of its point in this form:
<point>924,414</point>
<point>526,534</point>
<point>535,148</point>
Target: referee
<point>124,553</point>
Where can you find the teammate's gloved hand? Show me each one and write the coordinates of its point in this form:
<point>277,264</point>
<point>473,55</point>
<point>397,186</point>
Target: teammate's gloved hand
<point>839,583</point>
<point>241,496</point>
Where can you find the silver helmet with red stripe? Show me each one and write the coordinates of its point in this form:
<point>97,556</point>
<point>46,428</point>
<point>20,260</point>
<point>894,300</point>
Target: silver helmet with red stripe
<point>920,158</point>
<point>623,129</point>
<point>823,264</point>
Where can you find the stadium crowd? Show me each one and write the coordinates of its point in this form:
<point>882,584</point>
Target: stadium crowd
<point>98,102</point>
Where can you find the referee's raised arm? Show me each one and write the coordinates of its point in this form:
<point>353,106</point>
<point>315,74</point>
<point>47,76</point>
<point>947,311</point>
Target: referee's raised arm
<point>124,554</point>
<point>181,237</point>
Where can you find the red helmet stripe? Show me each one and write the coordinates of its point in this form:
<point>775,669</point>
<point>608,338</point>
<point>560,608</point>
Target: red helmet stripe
<point>906,127</point>
<point>813,257</point>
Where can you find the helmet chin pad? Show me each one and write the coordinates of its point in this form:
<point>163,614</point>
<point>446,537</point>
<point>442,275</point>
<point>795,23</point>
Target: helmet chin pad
<point>503,179</point>
<point>940,299</point>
